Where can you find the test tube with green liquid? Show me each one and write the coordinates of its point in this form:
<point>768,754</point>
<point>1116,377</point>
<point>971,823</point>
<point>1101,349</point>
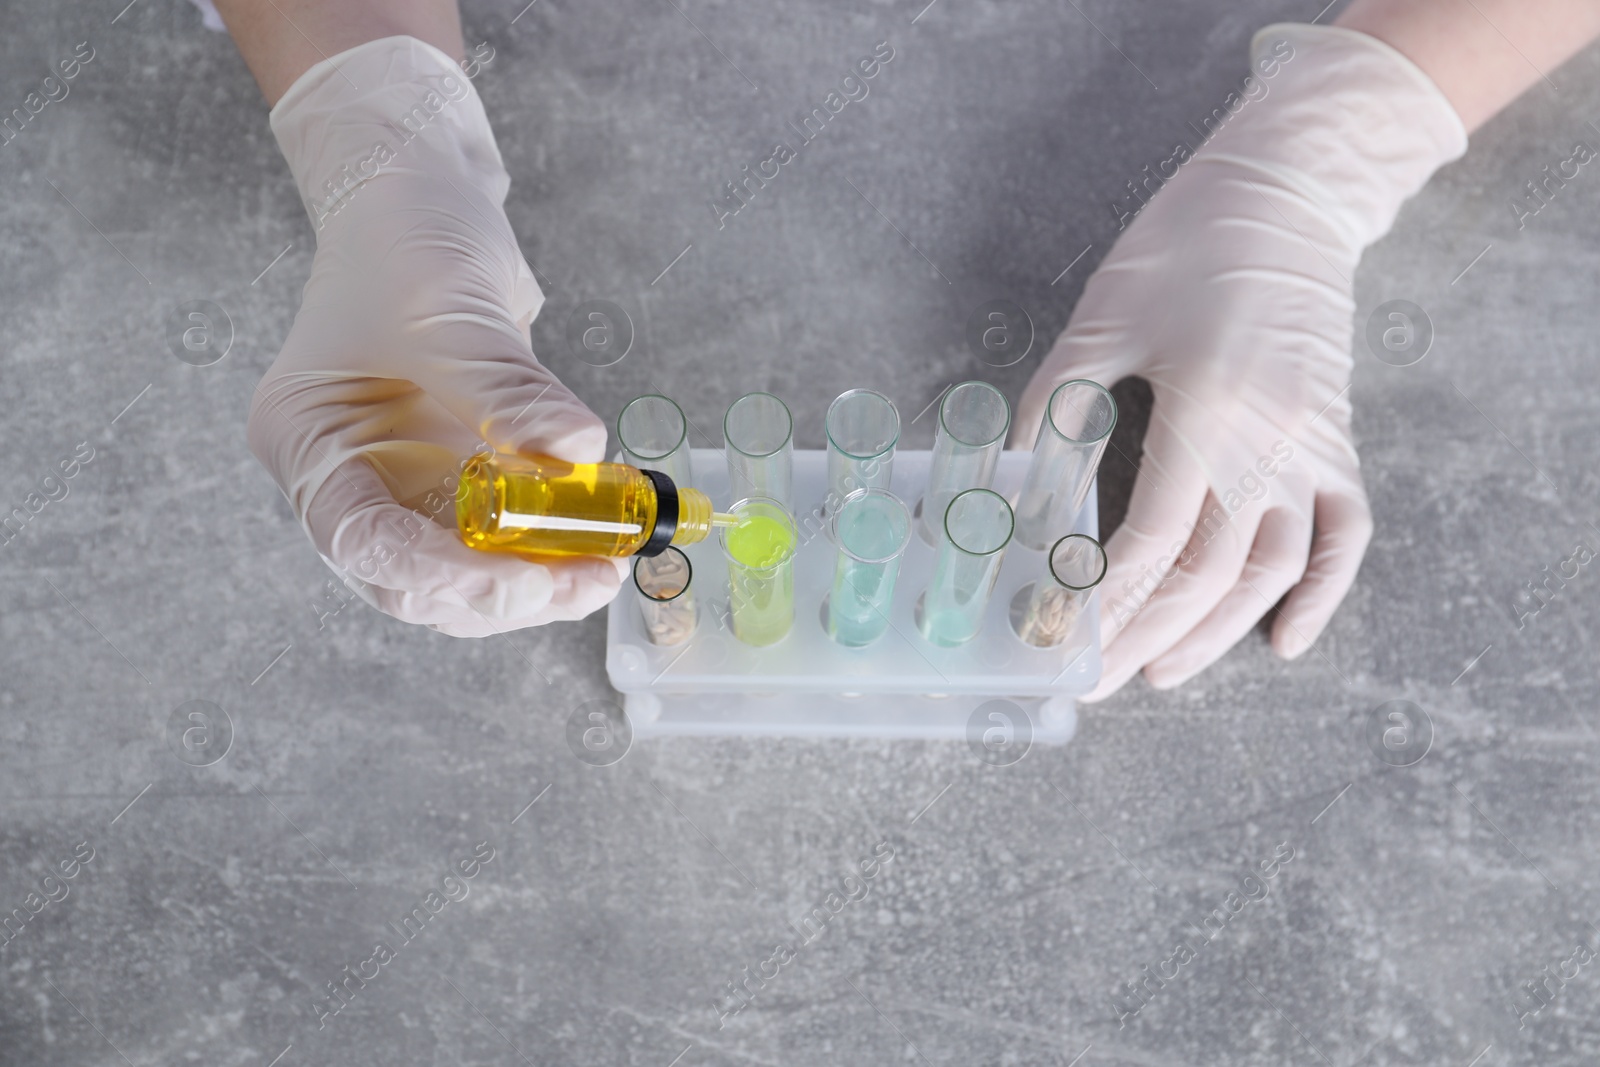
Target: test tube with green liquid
<point>760,547</point>
<point>871,528</point>
<point>760,434</point>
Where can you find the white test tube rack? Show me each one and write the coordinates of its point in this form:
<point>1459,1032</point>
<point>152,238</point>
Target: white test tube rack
<point>807,685</point>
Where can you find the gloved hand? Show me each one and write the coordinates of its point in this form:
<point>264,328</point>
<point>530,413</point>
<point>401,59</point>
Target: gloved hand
<point>410,350</point>
<point>1230,293</point>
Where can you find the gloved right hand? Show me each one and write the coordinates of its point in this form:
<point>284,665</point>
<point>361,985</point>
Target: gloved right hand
<point>1231,294</point>
<point>410,351</point>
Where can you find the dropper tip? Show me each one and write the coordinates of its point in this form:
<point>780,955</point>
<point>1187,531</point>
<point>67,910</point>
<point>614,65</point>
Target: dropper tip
<point>722,518</point>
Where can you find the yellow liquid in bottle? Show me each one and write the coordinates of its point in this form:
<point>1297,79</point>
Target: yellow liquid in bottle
<point>538,506</point>
<point>548,507</point>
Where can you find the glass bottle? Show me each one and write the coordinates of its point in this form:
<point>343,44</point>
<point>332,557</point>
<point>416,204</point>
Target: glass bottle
<point>540,506</point>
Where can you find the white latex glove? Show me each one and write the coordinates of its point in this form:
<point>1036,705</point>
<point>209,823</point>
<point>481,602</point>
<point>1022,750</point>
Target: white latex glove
<point>209,16</point>
<point>411,349</point>
<point>1230,293</point>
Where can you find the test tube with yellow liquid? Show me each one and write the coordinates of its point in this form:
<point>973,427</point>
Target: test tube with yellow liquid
<point>760,547</point>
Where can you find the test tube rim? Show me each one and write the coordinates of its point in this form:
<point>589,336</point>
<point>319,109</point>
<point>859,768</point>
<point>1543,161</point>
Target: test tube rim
<point>787,437</point>
<point>1050,418</point>
<point>1004,403</point>
<point>1050,562</point>
<point>687,562</point>
<point>1010,532</point>
<point>794,530</point>
<point>860,494</point>
<point>827,424</point>
<point>683,435</point>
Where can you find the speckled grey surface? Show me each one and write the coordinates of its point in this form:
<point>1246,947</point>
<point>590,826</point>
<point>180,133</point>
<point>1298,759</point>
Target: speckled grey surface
<point>369,757</point>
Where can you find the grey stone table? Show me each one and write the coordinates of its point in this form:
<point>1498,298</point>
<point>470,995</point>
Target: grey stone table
<point>210,907</point>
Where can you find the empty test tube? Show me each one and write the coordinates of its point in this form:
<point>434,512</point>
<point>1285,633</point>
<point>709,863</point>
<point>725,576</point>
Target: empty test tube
<point>1045,612</point>
<point>871,528</point>
<point>760,548</point>
<point>1072,437</point>
<point>655,436</point>
<point>978,526</point>
<point>760,445</point>
<point>665,599</point>
<point>973,419</point>
<point>862,428</point>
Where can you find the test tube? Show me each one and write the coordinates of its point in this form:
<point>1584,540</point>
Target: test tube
<point>1072,437</point>
<point>655,436</point>
<point>977,526</point>
<point>665,600</point>
<point>871,528</point>
<point>760,548</point>
<point>973,419</point>
<point>862,428</point>
<point>1045,611</point>
<point>760,435</point>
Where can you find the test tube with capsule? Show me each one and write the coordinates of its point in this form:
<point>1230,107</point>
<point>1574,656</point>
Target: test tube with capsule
<point>666,602</point>
<point>1044,612</point>
<point>654,435</point>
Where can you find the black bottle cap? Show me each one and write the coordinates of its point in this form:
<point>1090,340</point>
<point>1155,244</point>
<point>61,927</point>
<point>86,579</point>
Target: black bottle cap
<point>666,515</point>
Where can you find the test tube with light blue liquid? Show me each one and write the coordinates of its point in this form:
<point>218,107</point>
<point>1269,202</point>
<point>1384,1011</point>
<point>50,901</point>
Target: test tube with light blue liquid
<point>862,428</point>
<point>973,419</point>
<point>871,528</point>
<point>977,527</point>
